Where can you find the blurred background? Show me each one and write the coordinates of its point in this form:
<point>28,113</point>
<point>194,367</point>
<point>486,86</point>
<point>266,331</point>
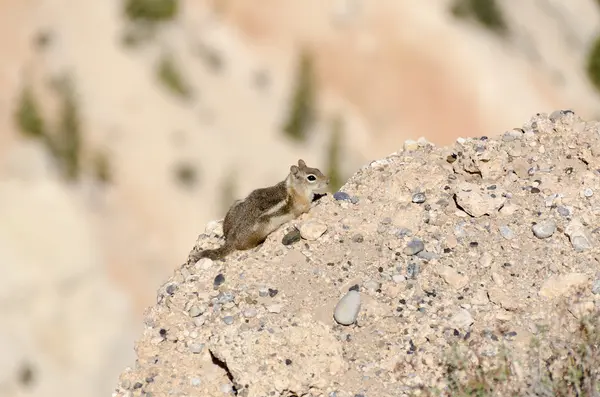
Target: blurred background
<point>126,125</point>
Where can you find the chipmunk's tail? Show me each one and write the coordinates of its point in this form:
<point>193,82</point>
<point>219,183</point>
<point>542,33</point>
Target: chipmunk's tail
<point>214,254</point>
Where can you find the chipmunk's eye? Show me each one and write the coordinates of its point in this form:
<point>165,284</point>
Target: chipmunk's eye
<point>311,178</point>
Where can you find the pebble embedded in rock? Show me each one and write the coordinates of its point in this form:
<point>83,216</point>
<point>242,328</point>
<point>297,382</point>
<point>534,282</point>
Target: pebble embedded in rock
<point>462,320</point>
<point>563,211</point>
<point>312,229</point>
<point>195,382</point>
<point>452,277</point>
<point>250,312</point>
<point>171,288</point>
<point>204,264</point>
<point>372,285</point>
<point>358,238</point>
<point>341,196</point>
<point>273,292</point>
<point>478,204</point>
<point>228,320</point>
<point>346,311</point>
<point>263,292</point>
<point>418,198</point>
<point>220,279</point>
<point>559,285</point>
<point>274,308</point>
<point>291,237</point>
<point>414,247</point>
<point>580,238</point>
<point>588,192</point>
<point>195,311</point>
<point>196,348</point>
<point>544,229</point>
<point>412,270</point>
<point>354,200</point>
<point>596,287</point>
<point>506,232</point>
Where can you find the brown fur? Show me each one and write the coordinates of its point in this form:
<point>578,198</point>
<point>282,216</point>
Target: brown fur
<point>248,222</point>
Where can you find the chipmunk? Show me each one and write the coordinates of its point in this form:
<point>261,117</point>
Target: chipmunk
<point>248,222</point>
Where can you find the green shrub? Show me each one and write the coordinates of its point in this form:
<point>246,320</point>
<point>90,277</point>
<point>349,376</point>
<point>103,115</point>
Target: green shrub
<point>302,110</point>
<point>28,116</point>
<point>486,12</point>
<point>101,168</point>
<point>593,64</point>
<point>186,174</point>
<point>151,10</point>
<point>171,77</point>
<point>334,151</point>
<point>68,138</point>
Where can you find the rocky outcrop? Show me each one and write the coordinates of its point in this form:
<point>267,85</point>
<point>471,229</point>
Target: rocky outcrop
<point>440,243</point>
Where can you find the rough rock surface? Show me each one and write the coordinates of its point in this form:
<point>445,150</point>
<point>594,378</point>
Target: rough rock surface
<point>467,282</point>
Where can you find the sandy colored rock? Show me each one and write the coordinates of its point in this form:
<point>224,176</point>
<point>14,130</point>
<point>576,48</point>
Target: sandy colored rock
<point>312,229</point>
<point>557,286</point>
<point>451,276</point>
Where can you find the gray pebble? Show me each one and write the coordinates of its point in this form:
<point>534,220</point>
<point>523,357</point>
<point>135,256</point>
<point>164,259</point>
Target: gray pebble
<point>263,292</point>
<point>381,229</point>
<point>372,285</point>
<point>563,211</point>
<point>196,348</point>
<point>291,237</point>
<point>341,196</point>
<point>412,270</point>
<point>386,221</point>
<point>228,320</point>
<point>354,200</point>
<point>544,229</point>
<point>225,297</point>
<point>414,247</point>
<point>506,232</point>
<point>195,311</point>
<point>126,384</point>
<point>220,279</point>
<point>402,232</point>
<point>346,311</point>
<point>596,287</point>
<point>418,198</point>
<point>427,255</point>
<point>171,288</point>
<point>588,192</point>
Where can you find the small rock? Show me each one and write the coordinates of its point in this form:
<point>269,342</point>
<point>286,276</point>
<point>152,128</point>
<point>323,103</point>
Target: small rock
<point>410,145</point>
<point>171,288</point>
<point>291,237</point>
<point>358,238</point>
<point>544,229</point>
<point>418,198</point>
<point>461,320</point>
<point>263,292</point>
<point>226,388</point>
<point>386,221</point>
<point>560,285</point>
<point>204,264</point>
<point>412,270</point>
<point>346,311</point>
<point>588,192</point>
<point>273,292</point>
<point>274,308</point>
<point>341,196</point>
<point>354,200</point>
<point>196,348</point>
<point>478,204</point>
<point>563,211</point>
<point>402,232</point>
<point>312,229</point>
<point>427,255</point>
<point>220,279</point>
<point>228,320</point>
<point>414,247</point>
<point>195,311</point>
<point>372,285</point>
<point>596,287</point>
<point>581,240</point>
<point>506,232</point>
<point>398,278</point>
<point>195,382</point>
<point>250,312</point>
<point>452,277</point>
<point>499,297</point>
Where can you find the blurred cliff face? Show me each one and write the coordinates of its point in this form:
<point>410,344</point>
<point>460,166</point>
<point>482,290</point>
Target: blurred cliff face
<point>125,125</point>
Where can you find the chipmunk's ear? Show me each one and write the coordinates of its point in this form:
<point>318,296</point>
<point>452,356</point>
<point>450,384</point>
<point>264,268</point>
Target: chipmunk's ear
<point>294,170</point>
<point>301,163</point>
